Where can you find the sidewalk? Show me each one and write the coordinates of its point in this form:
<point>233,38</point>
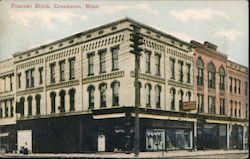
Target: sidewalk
<point>168,154</point>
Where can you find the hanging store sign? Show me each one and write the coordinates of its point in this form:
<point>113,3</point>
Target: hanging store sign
<point>191,105</point>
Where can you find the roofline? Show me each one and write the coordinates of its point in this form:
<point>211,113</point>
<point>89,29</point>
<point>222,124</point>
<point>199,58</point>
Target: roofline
<point>237,64</point>
<point>195,43</point>
<point>101,27</point>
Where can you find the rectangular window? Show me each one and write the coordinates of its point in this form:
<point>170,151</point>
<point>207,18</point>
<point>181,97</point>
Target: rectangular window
<point>158,96</point>
<point>231,84</point>
<point>148,61</point>
<point>180,71</point>
<point>211,105</point>
<point>90,64</point>
<point>29,78</point>
<point>199,76</point>
<point>52,73</point>
<point>246,110</point>
<point>231,110</point>
<point>222,106</point>
<point>172,67</point>
<point>235,109</point>
<point>62,70</point>
<point>115,63</point>
<point>72,68</point>
<point>11,84</point>
<point>235,85</point>
<point>102,61</point>
<point>158,64</point>
<point>246,88</point>
<point>19,80</point>
<point>40,75</point>
<point>222,83</point>
<point>200,103</point>
<point>188,73</point>
<point>239,86</point>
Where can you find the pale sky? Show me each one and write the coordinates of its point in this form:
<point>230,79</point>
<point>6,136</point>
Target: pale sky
<point>224,23</point>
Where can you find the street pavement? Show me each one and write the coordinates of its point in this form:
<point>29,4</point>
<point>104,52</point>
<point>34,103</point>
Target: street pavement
<point>231,154</point>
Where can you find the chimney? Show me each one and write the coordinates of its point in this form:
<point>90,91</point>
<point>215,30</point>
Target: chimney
<point>210,45</point>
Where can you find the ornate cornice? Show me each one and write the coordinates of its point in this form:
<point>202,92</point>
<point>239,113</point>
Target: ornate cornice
<point>29,91</point>
<point>9,96</point>
<point>149,77</point>
<point>62,84</point>
<point>103,77</point>
<point>179,84</point>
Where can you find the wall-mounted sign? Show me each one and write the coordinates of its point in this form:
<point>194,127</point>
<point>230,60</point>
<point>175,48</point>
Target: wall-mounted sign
<point>191,105</point>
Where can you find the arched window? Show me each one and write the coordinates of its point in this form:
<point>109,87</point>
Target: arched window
<point>172,92</point>
<point>38,104</point>
<point>222,78</point>
<point>181,93</point>
<point>211,75</point>
<point>72,99</point>
<point>1,110</point>
<point>115,91</point>
<point>189,95</point>
<point>200,68</point>
<point>239,109</point>
<point>21,106</point>
<point>62,100</point>
<point>91,90</point>
<point>158,96</point>
<point>6,108</point>
<point>103,100</point>
<point>235,109</point>
<point>53,102</point>
<point>30,105</point>
<point>148,95</point>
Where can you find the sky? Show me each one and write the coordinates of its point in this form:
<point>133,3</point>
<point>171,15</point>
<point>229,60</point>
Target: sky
<point>223,23</point>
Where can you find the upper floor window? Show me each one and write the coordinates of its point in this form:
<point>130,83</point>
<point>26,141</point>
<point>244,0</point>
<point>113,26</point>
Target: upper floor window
<point>200,98</point>
<point>91,91</point>
<point>239,86</point>
<point>72,68</point>
<point>29,105</point>
<point>222,78</point>
<point>239,109</point>
<point>235,108</point>
<point>235,85</point>
<point>103,100</point>
<point>62,100</point>
<point>231,108</point>
<point>172,92</point>
<point>40,75</point>
<point>172,68</point>
<point>246,111</point>
<point>21,106</point>
<point>30,78</point>
<point>148,61</point>
<point>53,102</point>
<point>180,71</point>
<point>200,68</point>
<point>158,64</point>
<point>11,84</point>
<point>211,75</point>
<point>211,105</point>
<point>62,70</point>
<point>102,55</point>
<point>231,84</point>
<point>189,95</point>
<point>11,108</point>
<point>246,88</point>
<point>19,80</point>
<point>115,62</point>
<point>91,64</point>
<point>158,96</point>
<point>188,73</point>
<point>222,106</point>
<point>38,104</point>
<point>72,93</point>
<point>115,91</point>
<point>148,95</point>
<point>6,109</point>
<point>52,73</point>
<point>181,99</point>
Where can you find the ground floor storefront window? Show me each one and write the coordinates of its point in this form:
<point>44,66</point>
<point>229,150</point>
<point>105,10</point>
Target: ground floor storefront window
<point>236,137</point>
<point>168,139</point>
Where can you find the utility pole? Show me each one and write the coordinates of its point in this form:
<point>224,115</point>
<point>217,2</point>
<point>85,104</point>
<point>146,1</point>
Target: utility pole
<point>136,38</point>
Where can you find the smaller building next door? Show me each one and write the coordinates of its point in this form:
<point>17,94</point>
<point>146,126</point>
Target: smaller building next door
<point>101,142</point>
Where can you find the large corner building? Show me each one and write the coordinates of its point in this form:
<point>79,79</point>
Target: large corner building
<point>77,94</point>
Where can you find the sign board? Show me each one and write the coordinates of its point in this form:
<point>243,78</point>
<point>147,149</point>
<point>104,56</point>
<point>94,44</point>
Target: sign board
<point>191,105</point>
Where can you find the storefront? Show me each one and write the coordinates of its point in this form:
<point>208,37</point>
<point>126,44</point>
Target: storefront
<point>211,136</point>
<point>236,137</point>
